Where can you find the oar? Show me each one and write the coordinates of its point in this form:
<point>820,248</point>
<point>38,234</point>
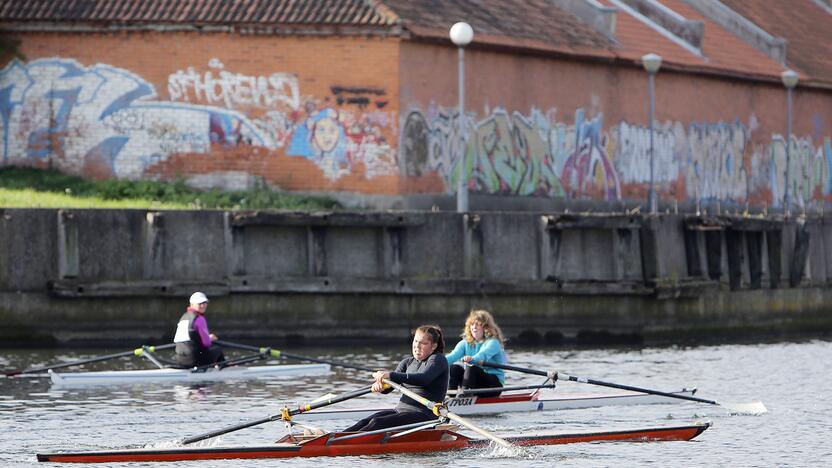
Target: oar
<point>756,407</point>
<point>278,353</point>
<point>284,415</point>
<point>440,410</point>
<point>135,352</point>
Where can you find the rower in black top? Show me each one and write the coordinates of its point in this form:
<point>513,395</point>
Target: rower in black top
<point>425,373</point>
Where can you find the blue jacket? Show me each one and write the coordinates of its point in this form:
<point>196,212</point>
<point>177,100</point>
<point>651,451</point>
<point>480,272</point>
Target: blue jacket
<point>488,350</point>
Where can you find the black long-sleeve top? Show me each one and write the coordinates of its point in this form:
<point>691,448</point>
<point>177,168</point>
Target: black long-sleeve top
<point>428,378</point>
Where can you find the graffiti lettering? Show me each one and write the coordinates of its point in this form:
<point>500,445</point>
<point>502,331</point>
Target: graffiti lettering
<point>632,157</point>
<point>235,89</point>
<point>717,168</point>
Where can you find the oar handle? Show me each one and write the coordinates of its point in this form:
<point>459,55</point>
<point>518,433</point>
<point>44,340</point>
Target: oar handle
<point>278,353</point>
<point>286,414</point>
<point>135,352</point>
<point>330,401</point>
<point>562,376</point>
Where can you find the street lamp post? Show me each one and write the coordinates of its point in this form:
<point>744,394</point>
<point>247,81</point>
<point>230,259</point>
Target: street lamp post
<point>652,63</point>
<point>461,34</point>
<point>790,79</point>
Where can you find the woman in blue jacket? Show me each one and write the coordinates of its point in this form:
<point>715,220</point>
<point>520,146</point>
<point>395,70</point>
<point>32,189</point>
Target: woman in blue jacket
<point>482,340</point>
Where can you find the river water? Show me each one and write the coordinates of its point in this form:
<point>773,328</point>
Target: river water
<point>791,378</point>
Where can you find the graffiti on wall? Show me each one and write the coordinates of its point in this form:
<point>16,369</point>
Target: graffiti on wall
<point>808,169</point>
<point>535,154</point>
<point>219,86</point>
<point>511,154</point>
<point>632,155</point>
<point>716,165</point>
<point>589,172</point>
<point>105,121</point>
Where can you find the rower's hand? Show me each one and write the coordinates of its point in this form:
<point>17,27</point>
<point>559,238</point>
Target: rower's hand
<point>553,375</point>
<point>213,337</point>
<point>379,376</point>
<point>467,359</point>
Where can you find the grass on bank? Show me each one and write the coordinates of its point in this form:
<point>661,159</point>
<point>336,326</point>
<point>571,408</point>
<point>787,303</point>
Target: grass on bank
<point>39,188</point>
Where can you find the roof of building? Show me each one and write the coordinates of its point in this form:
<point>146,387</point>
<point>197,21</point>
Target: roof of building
<point>720,51</point>
<point>331,12</point>
<point>805,24</point>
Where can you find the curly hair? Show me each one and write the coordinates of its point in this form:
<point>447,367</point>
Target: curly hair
<point>490,327</point>
<point>435,334</point>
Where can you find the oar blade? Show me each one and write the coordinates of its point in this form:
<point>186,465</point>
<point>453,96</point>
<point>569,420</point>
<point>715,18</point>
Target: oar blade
<point>754,408</point>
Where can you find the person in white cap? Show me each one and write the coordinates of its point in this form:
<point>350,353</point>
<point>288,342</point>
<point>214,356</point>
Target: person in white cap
<point>194,342</point>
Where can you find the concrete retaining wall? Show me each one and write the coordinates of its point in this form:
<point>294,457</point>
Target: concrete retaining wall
<point>104,276</point>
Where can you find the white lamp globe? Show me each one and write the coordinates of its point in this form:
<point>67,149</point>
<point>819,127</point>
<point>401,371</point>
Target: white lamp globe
<point>789,78</point>
<point>651,62</point>
<point>462,34</point>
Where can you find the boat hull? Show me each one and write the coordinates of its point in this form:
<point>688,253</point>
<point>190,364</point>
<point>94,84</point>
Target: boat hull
<point>75,379</point>
<point>427,441</point>
<point>510,403</point>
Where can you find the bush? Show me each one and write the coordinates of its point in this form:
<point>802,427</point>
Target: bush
<point>176,194</point>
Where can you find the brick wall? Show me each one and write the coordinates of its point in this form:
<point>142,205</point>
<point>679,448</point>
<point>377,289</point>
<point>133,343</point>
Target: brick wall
<point>300,113</point>
<point>366,116</point>
<point>565,128</point>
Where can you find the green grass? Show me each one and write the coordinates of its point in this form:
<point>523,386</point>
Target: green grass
<point>37,188</point>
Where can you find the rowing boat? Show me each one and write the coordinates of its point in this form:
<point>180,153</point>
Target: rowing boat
<point>512,402</point>
<point>72,379</point>
<point>441,438</point>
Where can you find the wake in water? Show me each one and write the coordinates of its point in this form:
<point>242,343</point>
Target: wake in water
<point>174,443</point>
<point>499,451</point>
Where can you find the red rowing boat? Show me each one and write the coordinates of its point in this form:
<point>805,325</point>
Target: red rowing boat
<point>441,438</point>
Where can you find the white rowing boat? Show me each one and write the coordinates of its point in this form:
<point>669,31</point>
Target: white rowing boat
<point>185,375</point>
<point>513,402</point>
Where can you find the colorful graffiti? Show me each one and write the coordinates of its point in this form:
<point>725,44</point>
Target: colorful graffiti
<point>716,164</point>
<point>108,122</point>
<point>511,154</point>
<point>589,172</point>
<point>105,121</point>
<point>534,154</point>
<point>100,119</point>
<point>505,154</point>
<point>809,169</point>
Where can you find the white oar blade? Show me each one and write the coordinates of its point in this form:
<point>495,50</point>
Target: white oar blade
<point>753,408</point>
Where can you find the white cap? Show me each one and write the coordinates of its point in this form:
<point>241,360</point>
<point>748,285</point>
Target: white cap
<point>198,298</point>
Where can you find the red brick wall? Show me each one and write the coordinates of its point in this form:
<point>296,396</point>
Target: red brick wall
<point>345,86</point>
<point>568,128</point>
<point>369,115</point>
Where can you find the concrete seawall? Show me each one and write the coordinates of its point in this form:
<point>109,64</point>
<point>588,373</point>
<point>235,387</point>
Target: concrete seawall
<point>72,277</point>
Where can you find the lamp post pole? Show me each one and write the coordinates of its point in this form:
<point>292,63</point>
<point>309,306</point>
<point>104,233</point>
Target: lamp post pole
<point>790,79</point>
<point>461,34</point>
<point>652,63</point>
